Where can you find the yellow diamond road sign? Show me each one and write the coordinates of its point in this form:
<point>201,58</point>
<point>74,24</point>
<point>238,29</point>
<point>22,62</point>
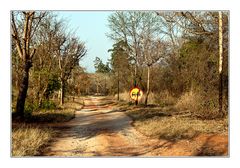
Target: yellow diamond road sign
<point>136,93</point>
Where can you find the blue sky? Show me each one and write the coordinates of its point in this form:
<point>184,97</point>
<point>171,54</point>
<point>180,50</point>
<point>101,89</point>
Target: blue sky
<point>91,27</point>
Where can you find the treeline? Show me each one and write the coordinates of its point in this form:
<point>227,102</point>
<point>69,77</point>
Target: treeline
<point>45,54</point>
<point>173,57</point>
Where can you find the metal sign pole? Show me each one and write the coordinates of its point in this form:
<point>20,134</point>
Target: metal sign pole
<point>135,85</point>
<point>136,102</point>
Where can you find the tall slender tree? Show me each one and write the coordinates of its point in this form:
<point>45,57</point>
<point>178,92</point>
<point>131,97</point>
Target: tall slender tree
<point>120,63</point>
<point>220,61</point>
<point>153,51</point>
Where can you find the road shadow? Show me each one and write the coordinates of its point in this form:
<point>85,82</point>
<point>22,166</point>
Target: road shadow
<point>92,129</point>
<point>213,146</point>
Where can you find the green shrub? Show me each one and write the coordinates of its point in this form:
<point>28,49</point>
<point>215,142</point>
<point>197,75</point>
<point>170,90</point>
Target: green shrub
<point>29,108</point>
<point>48,105</point>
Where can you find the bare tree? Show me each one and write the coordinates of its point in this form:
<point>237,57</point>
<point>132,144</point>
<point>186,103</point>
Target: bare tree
<point>23,27</point>
<point>126,26</point>
<point>136,29</point>
<point>44,64</point>
<point>153,51</point>
<point>70,51</point>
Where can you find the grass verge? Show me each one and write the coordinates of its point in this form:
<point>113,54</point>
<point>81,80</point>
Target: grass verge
<point>59,114</point>
<point>52,116</point>
<point>28,140</point>
<point>30,137</point>
<point>157,123</point>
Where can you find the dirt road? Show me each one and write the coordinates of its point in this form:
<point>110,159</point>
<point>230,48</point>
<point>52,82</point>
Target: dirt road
<point>99,129</point>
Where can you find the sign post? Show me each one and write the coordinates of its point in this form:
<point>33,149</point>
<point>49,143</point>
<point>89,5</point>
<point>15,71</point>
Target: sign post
<point>136,94</point>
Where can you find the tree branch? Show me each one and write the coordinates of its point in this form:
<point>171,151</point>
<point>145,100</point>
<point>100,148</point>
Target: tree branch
<point>16,37</point>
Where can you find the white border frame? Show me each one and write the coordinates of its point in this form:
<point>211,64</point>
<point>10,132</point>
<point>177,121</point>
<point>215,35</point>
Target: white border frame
<point>234,81</point>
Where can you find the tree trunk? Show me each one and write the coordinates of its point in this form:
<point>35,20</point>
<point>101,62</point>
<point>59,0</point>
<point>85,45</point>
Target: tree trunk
<point>135,80</point>
<point>22,94</point>
<point>220,63</point>
<point>23,49</point>
<point>62,92</point>
<point>105,85</point>
<point>118,88</point>
<point>39,91</point>
<point>148,85</point>
<point>191,88</point>
<point>97,88</point>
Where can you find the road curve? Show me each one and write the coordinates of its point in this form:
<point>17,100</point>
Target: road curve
<point>99,130</point>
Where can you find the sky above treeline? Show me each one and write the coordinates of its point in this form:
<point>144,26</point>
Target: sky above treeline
<point>91,27</point>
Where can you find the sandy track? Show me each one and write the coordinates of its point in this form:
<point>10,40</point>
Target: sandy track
<point>100,130</point>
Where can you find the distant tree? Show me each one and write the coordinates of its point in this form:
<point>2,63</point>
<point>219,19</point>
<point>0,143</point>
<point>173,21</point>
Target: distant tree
<point>100,66</point>
<point>69,52</point>
<point>130,27</point>
<point>77,83</point>
<point>125,26</point>
<point>102,71</point>
<point>135,28</point>
<point>120,63</point>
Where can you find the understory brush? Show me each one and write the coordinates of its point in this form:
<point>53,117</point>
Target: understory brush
<point>173,128</point>
<point>28,140</point>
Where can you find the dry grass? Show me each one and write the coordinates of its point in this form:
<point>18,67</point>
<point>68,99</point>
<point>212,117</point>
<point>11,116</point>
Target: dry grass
<point>28,140</point>
<point>151,98</point>
<point>74,104</point>
<point>190,100</point>
<point>162,99</point>
<point>61,114</point>
<point>172,118</point>
<point>167,123</point>
<point>201,106</point>
<point>173,128</point>
<point>124,96</point>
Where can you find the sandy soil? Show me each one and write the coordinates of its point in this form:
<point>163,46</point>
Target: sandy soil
<point>99,129</point>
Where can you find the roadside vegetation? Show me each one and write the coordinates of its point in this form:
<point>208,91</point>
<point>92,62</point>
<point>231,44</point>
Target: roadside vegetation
<point>52,113</point>
<point>177,59</point>
<point>28,140</point>
<point>30,136</point>
<point>171,124</point>
<point>44,57</point>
